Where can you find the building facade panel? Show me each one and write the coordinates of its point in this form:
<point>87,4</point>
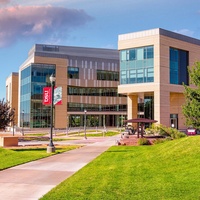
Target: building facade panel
<point>12,93</point>
<point>173,53</point>
<point>89,78</point>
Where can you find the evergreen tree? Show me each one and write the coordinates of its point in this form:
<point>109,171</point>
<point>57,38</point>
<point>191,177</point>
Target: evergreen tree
<point>6,114</point>
<point>191,108</point>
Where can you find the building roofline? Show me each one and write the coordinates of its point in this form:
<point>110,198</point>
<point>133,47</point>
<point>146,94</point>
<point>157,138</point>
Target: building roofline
<point>54,50</point>
<point>13,74</point>
<point>159,31</point>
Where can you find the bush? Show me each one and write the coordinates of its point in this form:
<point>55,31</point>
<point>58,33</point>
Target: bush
<point>159,129</point>
<point>143,141</point>
<point>174,133</point>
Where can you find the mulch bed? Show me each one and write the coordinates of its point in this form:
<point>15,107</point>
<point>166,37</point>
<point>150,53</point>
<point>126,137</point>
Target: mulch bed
<point>132,140</point>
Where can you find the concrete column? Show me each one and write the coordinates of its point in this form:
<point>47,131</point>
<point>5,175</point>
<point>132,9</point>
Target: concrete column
<point>162,107</point>
<point>132,101</point>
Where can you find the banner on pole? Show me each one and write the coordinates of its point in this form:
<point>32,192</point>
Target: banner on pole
<point>57,96</point>
<point>47,96</point>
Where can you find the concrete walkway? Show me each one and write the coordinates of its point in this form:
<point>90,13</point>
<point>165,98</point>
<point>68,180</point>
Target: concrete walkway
<point>32,180</point>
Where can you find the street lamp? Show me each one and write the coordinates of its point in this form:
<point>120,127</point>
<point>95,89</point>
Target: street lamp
<point>13,122</point>
<point>22,122</point>
<point>51,147</point>
<point>85,112</point>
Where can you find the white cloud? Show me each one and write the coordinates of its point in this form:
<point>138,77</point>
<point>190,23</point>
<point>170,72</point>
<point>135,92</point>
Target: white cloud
<point>38,22</point>
<point>185,32</point>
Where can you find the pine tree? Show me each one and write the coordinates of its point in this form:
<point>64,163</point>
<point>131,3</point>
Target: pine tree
<point>6,114</point>
<point>191,108</point>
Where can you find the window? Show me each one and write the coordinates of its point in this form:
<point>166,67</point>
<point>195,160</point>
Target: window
<point>178,67</point>
<point>95,107</point>
<point>79,91</point>
<point>137,65</point>
<point>73,72</point>
<point>33,79</point>
<point>107,75</point>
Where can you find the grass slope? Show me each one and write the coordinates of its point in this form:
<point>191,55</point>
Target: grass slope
<point>167,170</point>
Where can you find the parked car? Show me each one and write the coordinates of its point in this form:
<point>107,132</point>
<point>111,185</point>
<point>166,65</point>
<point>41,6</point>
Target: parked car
<point>191,131</point>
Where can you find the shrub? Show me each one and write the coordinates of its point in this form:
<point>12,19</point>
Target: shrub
<point>165,131</point>
<point>173,133</point>
<point>143,141</point>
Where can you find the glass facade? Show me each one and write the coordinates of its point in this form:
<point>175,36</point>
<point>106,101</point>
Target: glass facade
<point>146,108</point>
<point>86,91</point>
<point>107,75</point>
<point>73,72</point>
<point>95,107</point>
<point>178,66</point>
<point>137,65</point>
<point>96,120</point>
<point>33,79</point>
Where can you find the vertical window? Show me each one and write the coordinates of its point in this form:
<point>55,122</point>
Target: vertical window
<point>132,54</point>
<point>33,79</point>
<point>140,54</point>
<point>178,66</point>
<point>123,55</point>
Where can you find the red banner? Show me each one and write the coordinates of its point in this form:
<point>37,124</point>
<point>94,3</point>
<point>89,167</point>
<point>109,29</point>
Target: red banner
<point>47,96</point>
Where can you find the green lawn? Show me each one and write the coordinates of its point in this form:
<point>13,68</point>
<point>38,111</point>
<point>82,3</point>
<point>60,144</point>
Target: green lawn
<point>13,157</point>
<point>169,170</point>
<point>99,134</point>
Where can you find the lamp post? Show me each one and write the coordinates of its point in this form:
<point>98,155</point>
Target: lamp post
<point>51,147</point>
<point>22,122</point>
<point>13,122</point>
<point>85,112</point>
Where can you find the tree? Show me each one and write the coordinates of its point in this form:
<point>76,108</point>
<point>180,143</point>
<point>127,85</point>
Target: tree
<point>6,114</point>
<point>191,108</point>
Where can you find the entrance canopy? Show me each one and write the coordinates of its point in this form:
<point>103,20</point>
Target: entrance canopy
<point>142,121</point>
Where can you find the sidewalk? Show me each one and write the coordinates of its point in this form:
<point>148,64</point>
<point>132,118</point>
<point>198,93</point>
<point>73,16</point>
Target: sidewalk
<point>32,180</point>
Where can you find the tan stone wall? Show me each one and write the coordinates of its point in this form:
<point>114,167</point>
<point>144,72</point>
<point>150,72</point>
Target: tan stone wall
<point>176,100</point>
<point>12,93</point>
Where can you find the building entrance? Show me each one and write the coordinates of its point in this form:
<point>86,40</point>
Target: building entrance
<point>174,120</point>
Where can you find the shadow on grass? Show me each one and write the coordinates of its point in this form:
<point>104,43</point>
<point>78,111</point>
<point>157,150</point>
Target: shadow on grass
<point>30,149</point>
<point>120,151</point>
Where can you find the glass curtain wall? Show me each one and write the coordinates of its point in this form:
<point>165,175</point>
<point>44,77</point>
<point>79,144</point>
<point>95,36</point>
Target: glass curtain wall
<point>95,107</point>
<point>87,91</point>
<point>137,65</point>
<point>25,97</point>
<point>178,66</point>
<point>146,108</point>
<point>33,79</point>
<point>96,120</point>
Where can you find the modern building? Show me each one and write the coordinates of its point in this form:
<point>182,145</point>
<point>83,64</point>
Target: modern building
<point>153,67</point>
<point>12,93</point>
<point>89,78</point>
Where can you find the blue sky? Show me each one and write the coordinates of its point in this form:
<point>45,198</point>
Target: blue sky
<point>87,23</point>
